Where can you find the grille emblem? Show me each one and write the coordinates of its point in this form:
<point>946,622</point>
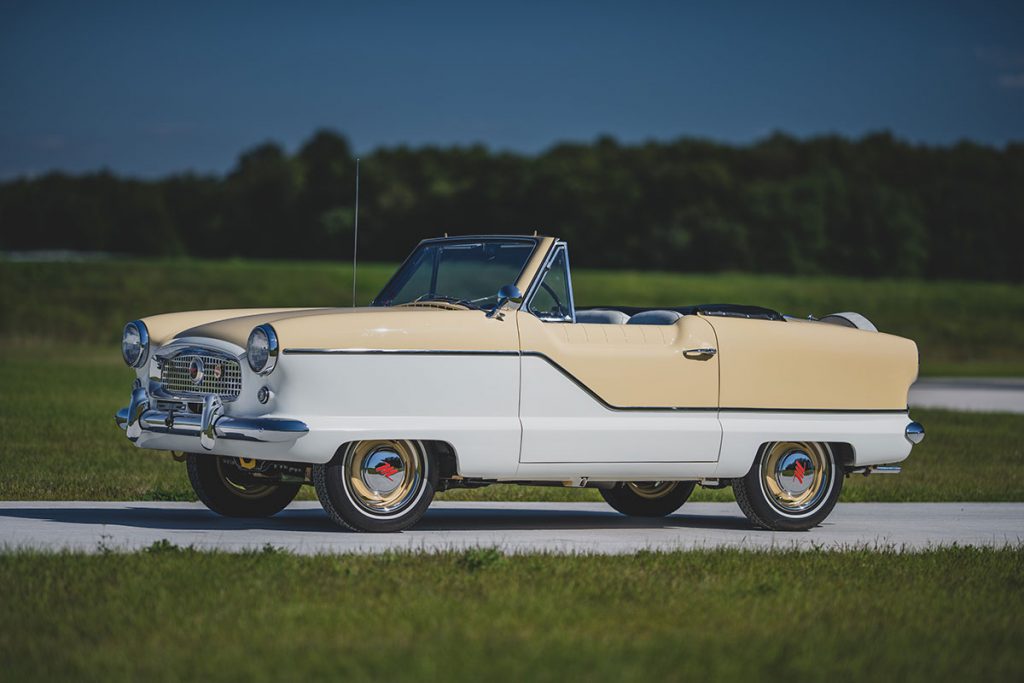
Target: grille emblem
<point>195,371</point>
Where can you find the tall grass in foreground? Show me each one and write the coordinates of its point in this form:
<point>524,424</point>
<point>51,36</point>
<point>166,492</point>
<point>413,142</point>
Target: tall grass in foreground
<point>723,615</point>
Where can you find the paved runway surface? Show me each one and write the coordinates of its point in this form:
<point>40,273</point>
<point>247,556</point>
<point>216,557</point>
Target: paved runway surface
<point>966,393</point>
<point>514,527</point>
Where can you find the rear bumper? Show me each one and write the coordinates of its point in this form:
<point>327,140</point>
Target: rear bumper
<point>914,433</point>
<point>139,418</point>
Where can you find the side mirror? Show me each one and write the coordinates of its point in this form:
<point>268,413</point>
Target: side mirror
<point>505,294</point>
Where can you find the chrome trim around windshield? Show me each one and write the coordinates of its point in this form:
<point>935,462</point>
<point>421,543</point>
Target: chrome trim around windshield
<point>536,240</point>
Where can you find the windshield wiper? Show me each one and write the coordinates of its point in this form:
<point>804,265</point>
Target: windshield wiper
<point>446,299</point>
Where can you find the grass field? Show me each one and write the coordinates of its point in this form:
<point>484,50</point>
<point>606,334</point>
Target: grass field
<point>961,328</point>
<point>58,442</point>
<point>172,614</point>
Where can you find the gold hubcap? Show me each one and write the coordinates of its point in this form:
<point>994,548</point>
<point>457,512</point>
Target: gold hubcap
<point>384,476</point>
<point>652,490</point>
<point>795,476</point>
<point>241,484</point>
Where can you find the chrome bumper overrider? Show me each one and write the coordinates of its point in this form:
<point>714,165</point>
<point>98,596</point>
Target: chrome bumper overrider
<point>915,433</point>
<point>212,424</point>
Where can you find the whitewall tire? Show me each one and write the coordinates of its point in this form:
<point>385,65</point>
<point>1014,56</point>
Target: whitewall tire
<point>792,486</point>
<point>377,486</point>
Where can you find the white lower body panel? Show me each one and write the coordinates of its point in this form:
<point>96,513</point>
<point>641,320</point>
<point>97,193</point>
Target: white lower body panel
<point>876,438</point>
<point>549,429</point>
<point>563,423</point>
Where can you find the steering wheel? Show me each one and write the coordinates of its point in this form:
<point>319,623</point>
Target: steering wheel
<point>560,308</point>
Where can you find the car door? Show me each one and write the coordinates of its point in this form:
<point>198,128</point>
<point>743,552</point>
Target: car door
<point>608,393</point>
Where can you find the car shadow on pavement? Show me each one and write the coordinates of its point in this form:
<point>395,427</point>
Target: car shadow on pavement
<point>315,520</point>
<point>535,519</point>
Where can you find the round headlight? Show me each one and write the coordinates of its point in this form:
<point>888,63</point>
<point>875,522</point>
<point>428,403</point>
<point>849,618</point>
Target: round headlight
<point>135,343</point>
<point>262,349</point>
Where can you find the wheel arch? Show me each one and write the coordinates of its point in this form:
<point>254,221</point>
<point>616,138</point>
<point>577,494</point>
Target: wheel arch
<point>441,454</point>
<point>841,450</point>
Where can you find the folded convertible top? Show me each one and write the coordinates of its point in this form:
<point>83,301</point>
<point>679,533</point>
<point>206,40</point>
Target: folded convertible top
<point>729,310</point>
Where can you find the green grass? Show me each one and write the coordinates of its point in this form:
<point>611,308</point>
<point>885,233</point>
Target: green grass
<point>965,328</point>
<point>172,614</point>
<point>58,442</point>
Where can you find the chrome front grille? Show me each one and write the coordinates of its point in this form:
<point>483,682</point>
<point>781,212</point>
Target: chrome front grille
<point>194,373</point>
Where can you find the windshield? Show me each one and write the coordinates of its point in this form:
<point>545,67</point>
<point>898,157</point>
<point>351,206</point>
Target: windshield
<point>467,272</point>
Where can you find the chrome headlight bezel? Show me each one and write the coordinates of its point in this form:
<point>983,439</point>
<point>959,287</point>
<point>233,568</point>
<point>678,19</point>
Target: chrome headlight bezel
<point>138,357</point>
<point>262,349</point>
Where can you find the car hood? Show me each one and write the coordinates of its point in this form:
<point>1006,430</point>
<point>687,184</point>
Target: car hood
<point>427,326</point>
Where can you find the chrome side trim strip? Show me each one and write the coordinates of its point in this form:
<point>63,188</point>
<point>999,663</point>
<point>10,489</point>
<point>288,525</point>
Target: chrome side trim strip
<point>396,352</point>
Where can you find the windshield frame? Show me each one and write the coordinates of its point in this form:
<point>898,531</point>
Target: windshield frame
<point>468,239</point>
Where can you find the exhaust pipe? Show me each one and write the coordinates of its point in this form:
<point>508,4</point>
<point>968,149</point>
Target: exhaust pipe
<point>876,469</point>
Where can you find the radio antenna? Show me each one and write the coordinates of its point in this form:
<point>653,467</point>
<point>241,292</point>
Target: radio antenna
<point>355,238</point>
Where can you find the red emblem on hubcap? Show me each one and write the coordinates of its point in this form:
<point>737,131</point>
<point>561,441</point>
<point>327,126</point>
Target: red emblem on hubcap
<point>799,471</point>
<point>387,469</point>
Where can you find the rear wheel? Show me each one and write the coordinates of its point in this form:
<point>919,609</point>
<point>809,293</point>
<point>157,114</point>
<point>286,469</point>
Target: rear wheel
<point>792,486</point>
<point>648,498</point>
<point>224,486</point>
<point>377,486</point>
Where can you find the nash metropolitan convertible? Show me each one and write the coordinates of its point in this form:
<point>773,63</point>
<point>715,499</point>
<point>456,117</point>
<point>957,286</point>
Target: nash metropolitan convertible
<point>473,366</point>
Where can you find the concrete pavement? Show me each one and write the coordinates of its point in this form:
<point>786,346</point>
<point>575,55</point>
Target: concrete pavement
<point>514,527</point>
<point>969,393</point>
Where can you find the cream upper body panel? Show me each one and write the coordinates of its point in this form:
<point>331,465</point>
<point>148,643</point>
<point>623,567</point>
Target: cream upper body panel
<point>164,327</point>
<point>631,366</point>
<point>414,328</point>
<point>435,327</point>
<point>795,364</point>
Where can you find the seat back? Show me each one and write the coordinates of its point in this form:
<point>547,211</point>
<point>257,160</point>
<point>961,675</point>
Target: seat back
<point>601,316</point>
<point>655,318</point>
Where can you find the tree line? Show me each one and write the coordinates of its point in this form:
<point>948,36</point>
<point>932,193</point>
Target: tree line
<point>874,206</point>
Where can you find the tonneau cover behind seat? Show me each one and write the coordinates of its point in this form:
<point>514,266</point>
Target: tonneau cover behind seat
<point>728,310</point>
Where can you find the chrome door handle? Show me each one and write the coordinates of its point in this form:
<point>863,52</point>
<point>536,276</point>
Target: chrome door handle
<point>698,353</point>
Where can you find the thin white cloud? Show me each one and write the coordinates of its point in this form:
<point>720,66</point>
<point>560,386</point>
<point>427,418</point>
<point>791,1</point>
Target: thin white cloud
<point>1011,81</point>
<point>50,143</point>
<point>1000,57</point>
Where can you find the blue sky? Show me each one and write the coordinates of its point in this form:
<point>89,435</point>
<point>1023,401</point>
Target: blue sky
<point>152,88</point>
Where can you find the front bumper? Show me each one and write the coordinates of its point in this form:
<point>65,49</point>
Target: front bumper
<point>208,426</point>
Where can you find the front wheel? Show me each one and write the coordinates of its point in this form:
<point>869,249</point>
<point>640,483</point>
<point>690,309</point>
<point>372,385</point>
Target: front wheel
<point>648,498</point>
<point>376,486</point>
<point>225,487</point>
<point>792,486</point>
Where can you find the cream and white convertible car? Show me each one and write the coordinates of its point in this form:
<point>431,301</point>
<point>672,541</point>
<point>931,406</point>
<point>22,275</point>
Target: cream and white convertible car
<point>473,366</point>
